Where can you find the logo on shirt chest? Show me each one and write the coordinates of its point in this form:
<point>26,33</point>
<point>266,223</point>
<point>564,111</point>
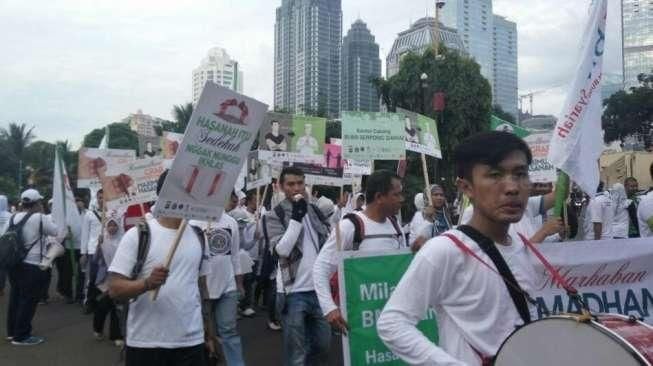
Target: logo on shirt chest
<point>219,240</point>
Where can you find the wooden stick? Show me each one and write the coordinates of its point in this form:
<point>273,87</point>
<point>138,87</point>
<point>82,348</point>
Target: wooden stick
<point>425,170</point>
<point>171,253</point>
<point>142,209</point>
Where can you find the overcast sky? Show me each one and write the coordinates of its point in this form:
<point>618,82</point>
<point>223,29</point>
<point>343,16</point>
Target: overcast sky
<point>69,66</point>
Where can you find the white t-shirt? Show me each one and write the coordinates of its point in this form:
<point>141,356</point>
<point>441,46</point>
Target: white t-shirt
<point>32,234</point>
<point>91,231</point>
<point>645,215</point>
<point>473,307</point>
<point>417,226</point>
<point>621,221</point>
<point>174,320</point>
<point>223,248</point>
<point>601,211</point>
<point>304,277</point>
<point>326,263</point>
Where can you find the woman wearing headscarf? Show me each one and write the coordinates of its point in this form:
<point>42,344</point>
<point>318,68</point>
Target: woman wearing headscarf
<point>620,202</point>
<point>110,239</point>
<point>431,221</point>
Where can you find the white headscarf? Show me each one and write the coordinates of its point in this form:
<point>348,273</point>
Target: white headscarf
<point>419,201</point>
<point>4,214</point>
<point>619,197</point>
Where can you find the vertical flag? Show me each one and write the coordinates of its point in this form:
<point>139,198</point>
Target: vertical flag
<point>577,143</point>
<point>104,143</point>
<point>64,210</point>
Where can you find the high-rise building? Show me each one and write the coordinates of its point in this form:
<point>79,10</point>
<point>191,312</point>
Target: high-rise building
<point>219,68</point>
<point>473,19</point>
<point>143,124</point>
<point>637,33</point>
<point>307,39</point>
<point>504,87</point>
<point>360,63</point>
<point>417,39</point>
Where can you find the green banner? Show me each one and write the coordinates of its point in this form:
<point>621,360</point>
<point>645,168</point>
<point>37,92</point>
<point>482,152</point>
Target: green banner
<point>373,136</point>
<point>369,280</point>
<point>497,124</point>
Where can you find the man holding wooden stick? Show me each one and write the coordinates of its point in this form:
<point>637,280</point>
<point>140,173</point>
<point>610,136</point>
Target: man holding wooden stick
<point>168,331</point>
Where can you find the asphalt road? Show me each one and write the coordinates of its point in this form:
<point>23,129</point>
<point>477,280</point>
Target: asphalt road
<point>70,342</point>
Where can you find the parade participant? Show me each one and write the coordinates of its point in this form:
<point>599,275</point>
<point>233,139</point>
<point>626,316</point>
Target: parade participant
<point>297,231</point>
<point>245,216</point>
<point>601,214</point>
<point>4,223</point>
<point>26,278</point>
<point>64,264</point>
<point>476,309</point>
<point>375,228</point>
<point>632,190</point>
<point>223,251</point>
<point>431,220</point>
<point>645,212</point>
<point>168,331</point>
<point>620,202</point>
<point>91,233</point>
<point>107,246</point>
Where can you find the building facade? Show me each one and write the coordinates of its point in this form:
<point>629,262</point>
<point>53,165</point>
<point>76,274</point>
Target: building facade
<point>143,124</point>
<point>307,41</point>
<point>360,64</point>
<point>504,65</point>
<point>417,39</point>
<point>219,68</point>
<point>637,33</point>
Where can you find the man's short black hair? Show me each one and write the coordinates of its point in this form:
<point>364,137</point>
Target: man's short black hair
<point>159,183</point>
<point>290,170</point>
<point>379,182</point>
<point>633,179</point>
<point>488,148</point>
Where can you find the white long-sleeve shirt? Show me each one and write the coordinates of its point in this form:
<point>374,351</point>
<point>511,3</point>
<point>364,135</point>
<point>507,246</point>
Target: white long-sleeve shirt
<point>304,277</point>
<point>417,225</point>
<point>91,231</point>
<point>326,263</point>
<point>473,307</point>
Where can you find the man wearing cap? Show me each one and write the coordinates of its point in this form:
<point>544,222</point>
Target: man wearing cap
<point>27,279</point>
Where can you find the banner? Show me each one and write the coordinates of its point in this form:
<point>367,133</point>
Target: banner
<point>353,168</point>
<point>540,170</point>
<point>369,279</point>
<point>64,209</point>
<point>497,124</point>
<point>327,174</point>
<point>421,133</point>
<point>259,173</point>
<point>373,136</point>
<point>131,183</point>
<point>212,153</point>
<point>577,141</point>
<point>149,146</point>
<point>292,139</point>
<point>93,164</point>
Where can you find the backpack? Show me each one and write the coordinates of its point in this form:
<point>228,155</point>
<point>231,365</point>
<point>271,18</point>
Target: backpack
<point>12,244</point>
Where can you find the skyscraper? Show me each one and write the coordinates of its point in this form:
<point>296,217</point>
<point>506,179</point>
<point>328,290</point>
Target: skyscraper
<point>637,33</point>
<point>307,39</point>
<point>504,87</point>
<point>360,63</point>
<point>417,39</point>
<point>220,68</point>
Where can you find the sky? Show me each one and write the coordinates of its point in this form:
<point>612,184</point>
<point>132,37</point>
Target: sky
<point>70,66</point>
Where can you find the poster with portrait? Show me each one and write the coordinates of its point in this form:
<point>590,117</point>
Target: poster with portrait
<point>259,172</point>
<point>93,164</point>
<point>170,142</point>
<point>149,146</point>
<point>295,139</point>
<point>215,147</point>
<point>421,133</point>
<point>373,136</point>
<point>132,183</point>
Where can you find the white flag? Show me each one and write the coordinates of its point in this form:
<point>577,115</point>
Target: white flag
<point>104,143</point>
<point>64,209</point>
<point>577,141</point>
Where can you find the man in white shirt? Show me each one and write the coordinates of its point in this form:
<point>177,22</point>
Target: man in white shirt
<point>65,268</point>
<point>476,311</point>
<point>27,279</point>
<point>91,231</point>
<point>223,240</point>
<point>601,213</point>
<point>297,231</point>
<point>170,330</point>
<point>245,216</point>
<point>645,212</point>
<point>381,232</point>
<point>4,223</point>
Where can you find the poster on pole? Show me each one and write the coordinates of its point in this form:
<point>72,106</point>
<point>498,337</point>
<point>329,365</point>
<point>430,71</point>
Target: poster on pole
<point>369,278</point>
<point>93,164</point>
<point>259,172</point>
<point>373,136</point>
<point>170,142</point>
<point>149,146</point>
<point>215,147</point>
<point>132,183</point>
<point>286,138</point>
<point>540,170</point>
<point>327,174</point>
<point>421,133</point>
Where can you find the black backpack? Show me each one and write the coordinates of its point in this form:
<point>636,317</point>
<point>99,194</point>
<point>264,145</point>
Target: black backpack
<point>12,244</point>
<point>359,231</point>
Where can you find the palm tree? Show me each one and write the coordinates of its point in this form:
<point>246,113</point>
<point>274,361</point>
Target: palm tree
<point>17,138</point>
<point>181,113</point>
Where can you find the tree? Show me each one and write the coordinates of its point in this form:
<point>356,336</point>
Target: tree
<point>17,137</point>
<point>120,137</point>
<point>499,112</point>
<point>630,113</point>
<point>467,111</point>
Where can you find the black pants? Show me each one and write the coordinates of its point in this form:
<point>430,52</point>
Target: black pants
<point>92,292</point>
<point>105,306</point>
<point>65,279</point>
<point>188,356</point>
<point>270,299</point>
<point>45,290</point>
<point>249,281</point>
<point>27,283</point>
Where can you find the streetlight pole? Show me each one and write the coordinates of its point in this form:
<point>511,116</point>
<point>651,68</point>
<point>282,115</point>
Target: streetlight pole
<point>439,4</point>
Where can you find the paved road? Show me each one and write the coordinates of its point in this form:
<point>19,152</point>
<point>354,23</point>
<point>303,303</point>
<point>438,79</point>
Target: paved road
<point>69,341</point>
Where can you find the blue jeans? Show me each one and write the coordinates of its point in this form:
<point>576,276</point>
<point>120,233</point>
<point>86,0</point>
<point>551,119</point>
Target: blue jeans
<point>225,311</point>
<point>306,334</point>
<point>27,283</point>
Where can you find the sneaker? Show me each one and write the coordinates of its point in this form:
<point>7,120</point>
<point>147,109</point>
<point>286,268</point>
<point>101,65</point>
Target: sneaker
<point>249,312</point>
<point>274,326</point>
<point>119,342</point>
<point>9,338</point>
<point>30,341</point>
<point>98,336</point>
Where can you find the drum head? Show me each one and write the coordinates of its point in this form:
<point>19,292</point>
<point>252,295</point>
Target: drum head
<point>561,340</point>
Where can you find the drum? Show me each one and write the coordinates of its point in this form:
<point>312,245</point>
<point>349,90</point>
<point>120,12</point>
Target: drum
<point>609,339</point>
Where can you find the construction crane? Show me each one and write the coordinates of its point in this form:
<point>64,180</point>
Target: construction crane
<point>529,96</point>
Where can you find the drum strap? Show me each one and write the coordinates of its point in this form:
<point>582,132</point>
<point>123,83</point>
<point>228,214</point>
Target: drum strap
<point>555,275</point>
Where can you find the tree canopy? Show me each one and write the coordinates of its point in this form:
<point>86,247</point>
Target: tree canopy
<point>120,137</point>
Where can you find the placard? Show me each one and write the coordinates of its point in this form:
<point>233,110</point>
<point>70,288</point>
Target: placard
<point>132,183</point>
<point>420,133</point>
<point>373,136</point>
<point>93,163</point>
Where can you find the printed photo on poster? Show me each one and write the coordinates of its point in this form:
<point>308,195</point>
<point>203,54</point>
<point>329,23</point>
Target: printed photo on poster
<point>93,164</point>
<point>287,138</point>
<point>132,183</point>
<point>420,133</point>
<point>258,171</point>
<point>149,146</point>
<point>328,174</point>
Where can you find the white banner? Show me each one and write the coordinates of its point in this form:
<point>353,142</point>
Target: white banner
<point>577,141</point>
<point>212,153</point>
<point>131,183</point>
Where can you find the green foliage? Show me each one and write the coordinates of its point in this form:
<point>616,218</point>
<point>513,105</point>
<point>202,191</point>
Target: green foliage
<point>120,137</point>
<point>9,188</point>
<point>630,113</point>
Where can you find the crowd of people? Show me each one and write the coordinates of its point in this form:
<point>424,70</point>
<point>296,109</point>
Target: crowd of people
<point>279,254</point>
